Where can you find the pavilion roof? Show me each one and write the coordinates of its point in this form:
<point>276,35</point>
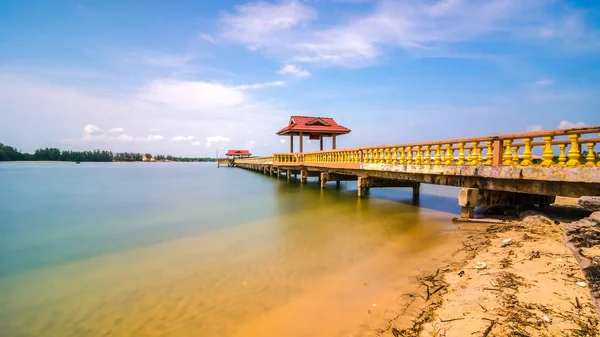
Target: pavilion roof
<point>238,153</point>
<point>308,124</point>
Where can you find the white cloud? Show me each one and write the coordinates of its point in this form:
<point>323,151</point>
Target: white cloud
<point>151,138</point>
<point>92,133</point>
<point>260,24</point>
<point>569,125</point>
<point>293,70</point>
<point>216,140</point>
<point>207,38</point>
<point>116,130</point>
<point>122,138</point>
<point>190,95</point>
<point>196,143</point>
<point>283,141</point>
<point>534,128</point>
<point>543,83</point>
<point>182,138</point>
<point>261,85</point>
<point>286,30</point>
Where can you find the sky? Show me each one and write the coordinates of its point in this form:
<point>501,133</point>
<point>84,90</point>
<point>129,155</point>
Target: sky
<point>187,77</point>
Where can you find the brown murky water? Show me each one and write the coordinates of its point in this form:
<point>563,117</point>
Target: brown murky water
<point>314,268</point>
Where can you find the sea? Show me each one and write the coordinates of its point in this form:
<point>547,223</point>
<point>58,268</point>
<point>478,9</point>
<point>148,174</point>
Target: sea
<point>189,249</point>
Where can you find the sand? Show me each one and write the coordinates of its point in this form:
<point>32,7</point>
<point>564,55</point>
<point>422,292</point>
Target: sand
<point>532,284</point>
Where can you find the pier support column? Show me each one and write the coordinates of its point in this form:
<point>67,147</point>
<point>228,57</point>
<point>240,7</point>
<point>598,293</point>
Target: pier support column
<point>278,173</point>
<point>469,198</point>
<point>337,184</point>
<point>270,171</point>
<point>288,175</point>
<point>323,179</point>
<point>416,192</point>
<point>303,176</point>
<point>363,186</point>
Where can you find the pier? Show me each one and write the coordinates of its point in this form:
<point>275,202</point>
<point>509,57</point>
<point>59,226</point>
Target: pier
<point>498,170</point>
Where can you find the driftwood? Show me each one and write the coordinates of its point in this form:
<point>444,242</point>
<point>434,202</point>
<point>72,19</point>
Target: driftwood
<point>489,329</point>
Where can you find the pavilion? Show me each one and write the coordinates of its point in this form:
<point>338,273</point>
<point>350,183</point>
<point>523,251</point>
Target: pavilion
<point>313,127</point>
<point>238,154</point>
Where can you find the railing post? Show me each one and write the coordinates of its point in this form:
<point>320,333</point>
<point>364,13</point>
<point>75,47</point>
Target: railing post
<point>498,152</point>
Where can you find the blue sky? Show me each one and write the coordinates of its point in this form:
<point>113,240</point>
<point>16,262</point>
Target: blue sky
<point>186,77</point>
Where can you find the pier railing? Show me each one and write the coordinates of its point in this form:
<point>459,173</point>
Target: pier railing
<point>255,160</point>
<point>558,148</point>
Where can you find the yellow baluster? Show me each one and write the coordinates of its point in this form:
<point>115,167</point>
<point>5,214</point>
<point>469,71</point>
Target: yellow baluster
<point>402,159</point>
<point>461,154</point>
<point>590,159</point>
<point>527,155</point>
<point>574,152</point>
<point>562,157</point>
<point>419,158</point>
<point>386,155</point>
<point>479,157</point>
<point>437,159</point>
<point>489,155</point>
<point>508,153</point>
<point>394,155</point>
<point>515,157</point>
<point>427,155</point>
<point>475,153</point>
<point>449,155</point>
<point>407,156</point>
<point>548,155</point>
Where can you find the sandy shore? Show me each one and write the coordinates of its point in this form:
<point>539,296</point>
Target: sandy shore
<point>531,282</point>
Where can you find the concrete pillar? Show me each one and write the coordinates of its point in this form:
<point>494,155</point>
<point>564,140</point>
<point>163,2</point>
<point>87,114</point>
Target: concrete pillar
<point>333,142</point>
<point>301,142</point>
<point>303,176</point>
<point>288,175</point>
<point>469,198</point>
<point>321,142</point>
<point>498,148</point>
<point>278,173</point>
<point>467,212</point>
<point>270,171</point>
<point>363,186</point>
<point>337,184</point>
<point>291,143</point>
<point>323,179</point>
<point>416,192</point>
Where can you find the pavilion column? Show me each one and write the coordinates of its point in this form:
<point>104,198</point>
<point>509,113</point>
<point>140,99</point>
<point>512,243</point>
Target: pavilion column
<point>291,143</point>
<point>301,141</point>
<point>333,142</point>
<point>321,141</point>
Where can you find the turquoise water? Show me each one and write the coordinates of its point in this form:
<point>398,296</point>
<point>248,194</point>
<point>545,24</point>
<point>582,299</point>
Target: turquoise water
<point>69,232</point>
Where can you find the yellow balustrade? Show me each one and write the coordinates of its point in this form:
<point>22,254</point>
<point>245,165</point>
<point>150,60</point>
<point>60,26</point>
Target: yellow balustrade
<point>574,152</point>
<point>562,157</point>
<point>489,155</point>
<point>474,153</point>
<point>437,159</point>
<point>508,153</point>
<point>461,154</point>
<point>402,159</point>
<point>427,160</point>
<point>515,158</point>
<point>548,155</point>
<point>590,159</point>
<point>419,158</point>
<point>449,155</point>
<point>394,155</point>
<point>408,153</point>
<point>527,155</point>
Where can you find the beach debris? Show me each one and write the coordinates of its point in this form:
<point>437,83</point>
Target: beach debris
<point>507,242</point>
<point>534,255</point>
<point>374,305</point>
<point>578,305</point>
<point>489,329</point>
<point>590,203</point>
<point>581,284</point>
<point>462,272</point>
<point>480,265</point>
<point>547,319</point>
<point>493,284</point>
<point>559,260</point>
<point>438,289</point>
<point>451,319</point>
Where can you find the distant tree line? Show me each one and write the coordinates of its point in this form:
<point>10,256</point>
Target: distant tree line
<point>9,153</point>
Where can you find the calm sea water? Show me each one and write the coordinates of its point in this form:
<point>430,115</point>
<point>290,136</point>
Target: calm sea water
<point>186,249</point>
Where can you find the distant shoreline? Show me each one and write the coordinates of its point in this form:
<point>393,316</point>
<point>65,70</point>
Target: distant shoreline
<point>123,161</point>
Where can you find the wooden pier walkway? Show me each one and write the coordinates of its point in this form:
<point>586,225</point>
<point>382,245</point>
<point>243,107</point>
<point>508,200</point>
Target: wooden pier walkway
<point>493,170</point>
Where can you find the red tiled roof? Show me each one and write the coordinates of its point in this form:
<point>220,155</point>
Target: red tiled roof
<point>238,153</point>
<point>313,125</point>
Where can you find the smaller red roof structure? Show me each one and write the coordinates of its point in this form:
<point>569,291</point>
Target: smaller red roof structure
<point>238,153</point>
<point>318,125</point>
